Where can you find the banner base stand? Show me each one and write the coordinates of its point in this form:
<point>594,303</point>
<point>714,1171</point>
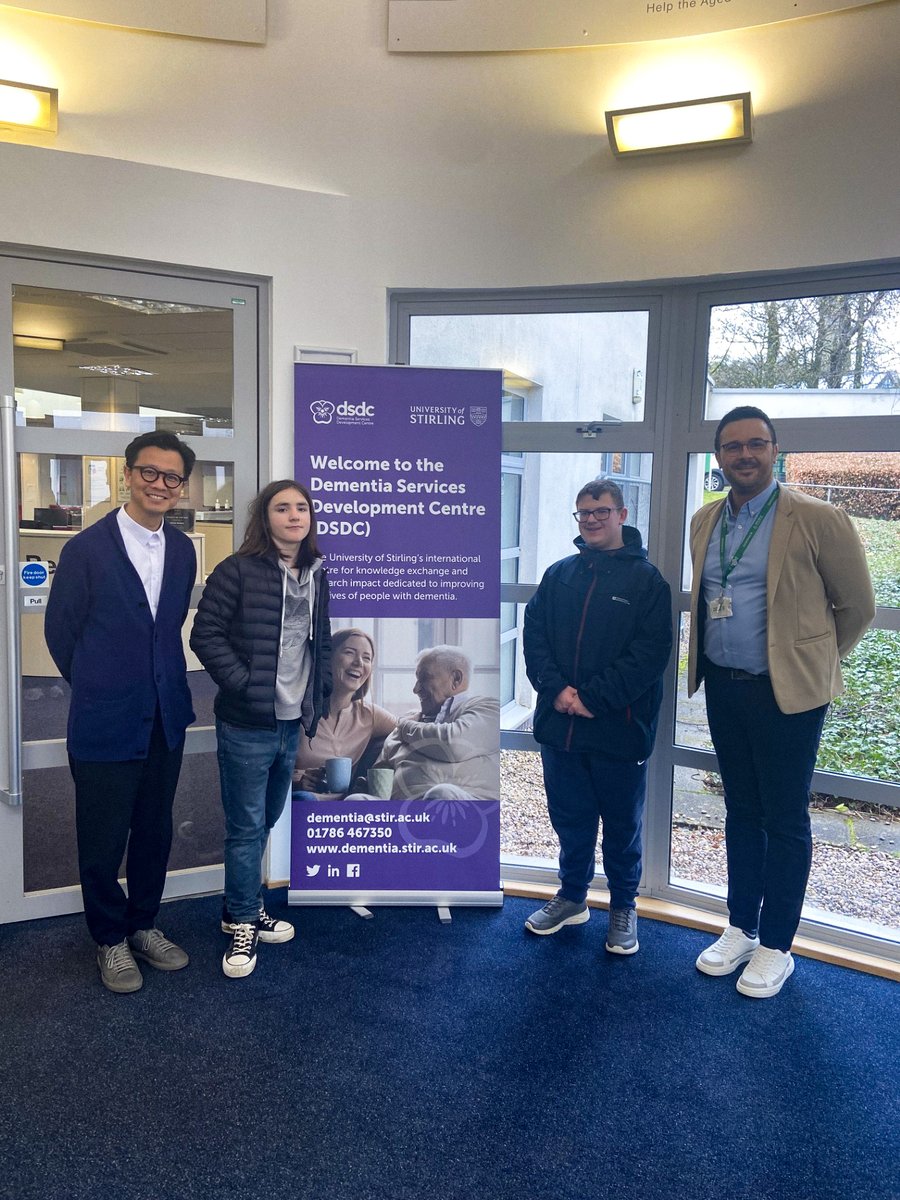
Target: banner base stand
<point>444,915</point>
<point>361,902</point>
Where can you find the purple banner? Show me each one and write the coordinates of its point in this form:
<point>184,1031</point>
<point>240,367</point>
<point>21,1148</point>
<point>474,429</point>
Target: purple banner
<point>379,845</point>
<point>403,464</point>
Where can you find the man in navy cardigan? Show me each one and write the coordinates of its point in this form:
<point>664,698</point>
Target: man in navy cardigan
<point>119,598</point>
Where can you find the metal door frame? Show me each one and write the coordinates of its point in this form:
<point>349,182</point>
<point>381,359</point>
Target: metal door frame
<point>246,451</point>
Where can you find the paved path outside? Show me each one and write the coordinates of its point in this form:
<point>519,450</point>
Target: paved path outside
<point>693,804</point>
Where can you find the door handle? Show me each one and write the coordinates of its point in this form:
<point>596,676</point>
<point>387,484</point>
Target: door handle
<point>11,734</point>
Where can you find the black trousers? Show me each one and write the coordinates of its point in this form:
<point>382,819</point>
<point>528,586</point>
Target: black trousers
<point>766,759</point>
<point>119,804</point>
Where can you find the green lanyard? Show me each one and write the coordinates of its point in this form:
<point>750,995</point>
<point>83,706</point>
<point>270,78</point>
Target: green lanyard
<point>748,537</point>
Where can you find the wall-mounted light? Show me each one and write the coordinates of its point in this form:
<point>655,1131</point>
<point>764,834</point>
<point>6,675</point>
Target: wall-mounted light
<point>687,125</point>
<point>25,341</point>
<point>23,106</point>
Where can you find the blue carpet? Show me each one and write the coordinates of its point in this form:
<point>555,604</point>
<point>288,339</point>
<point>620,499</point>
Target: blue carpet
<point>401,1059</point>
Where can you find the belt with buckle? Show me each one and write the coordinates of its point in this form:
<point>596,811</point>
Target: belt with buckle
<point>736,672</point>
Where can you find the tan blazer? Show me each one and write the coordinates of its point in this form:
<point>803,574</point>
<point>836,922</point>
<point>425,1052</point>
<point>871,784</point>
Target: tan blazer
<point>819,597</point>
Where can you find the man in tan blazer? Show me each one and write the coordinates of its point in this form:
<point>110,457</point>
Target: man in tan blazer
<point>781,593</point>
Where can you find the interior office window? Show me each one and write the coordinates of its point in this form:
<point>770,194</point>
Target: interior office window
<point>105,362</point>
<point>820,356</point>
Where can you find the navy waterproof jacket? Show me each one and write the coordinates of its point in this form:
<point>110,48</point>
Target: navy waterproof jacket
<point>601,622</point>
<point>237,637</point>
<point>119,662</point>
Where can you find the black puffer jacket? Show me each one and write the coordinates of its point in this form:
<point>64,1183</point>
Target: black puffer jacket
<point>600,622</point>
<point>237,637</point>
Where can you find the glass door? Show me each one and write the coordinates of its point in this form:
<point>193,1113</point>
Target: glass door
<point>89,359</point>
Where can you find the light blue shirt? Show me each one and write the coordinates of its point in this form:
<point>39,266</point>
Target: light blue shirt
<point>740,641</point>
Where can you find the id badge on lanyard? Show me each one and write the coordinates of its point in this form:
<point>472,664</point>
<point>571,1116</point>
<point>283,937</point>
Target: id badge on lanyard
<point>721,606</point>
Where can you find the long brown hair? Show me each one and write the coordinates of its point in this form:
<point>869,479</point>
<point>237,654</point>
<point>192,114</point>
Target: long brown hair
<point>258,537</point>
<point>337,640</point>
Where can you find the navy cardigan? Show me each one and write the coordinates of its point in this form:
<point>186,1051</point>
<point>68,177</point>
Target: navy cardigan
<point>119,662</point>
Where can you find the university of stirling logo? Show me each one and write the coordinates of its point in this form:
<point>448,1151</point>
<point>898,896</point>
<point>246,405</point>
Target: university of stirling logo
<point>478,414</point>
<point>322,411</point>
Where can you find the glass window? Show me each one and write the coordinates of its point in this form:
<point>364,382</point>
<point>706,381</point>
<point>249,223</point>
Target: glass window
<point>855,878</point>
<point>582,366</point>
<point>510,508</point>
<point>104,362</point>
<point>862,729</point>
<point>48,832</point>
<point>865,486</point>
<point>812,356</point>
<point>525,829</point>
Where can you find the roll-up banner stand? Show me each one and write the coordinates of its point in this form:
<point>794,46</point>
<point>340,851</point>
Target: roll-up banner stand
<point>403,466</point>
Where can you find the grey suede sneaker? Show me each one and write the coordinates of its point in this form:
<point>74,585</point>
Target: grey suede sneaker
<point>559,912</point>
<point>621,937</point>
<point>155,948</point>
<point>118,970</point>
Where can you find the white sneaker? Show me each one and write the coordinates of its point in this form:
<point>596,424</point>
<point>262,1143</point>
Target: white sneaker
<point>727,954</point>
<point>765,973</point>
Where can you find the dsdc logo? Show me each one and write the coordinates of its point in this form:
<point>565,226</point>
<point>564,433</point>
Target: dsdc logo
<point>322,411</point>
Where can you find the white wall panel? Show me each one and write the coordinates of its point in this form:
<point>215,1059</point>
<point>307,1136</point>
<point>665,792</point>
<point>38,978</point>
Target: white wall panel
<point>228,20</point>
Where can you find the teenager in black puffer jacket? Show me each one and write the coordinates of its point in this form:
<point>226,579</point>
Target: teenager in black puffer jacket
<point>263,634</point>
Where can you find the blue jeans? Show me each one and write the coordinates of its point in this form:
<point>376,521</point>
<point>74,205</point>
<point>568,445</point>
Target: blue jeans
<point>766,760</point>
<point>255,769</point>
<point>581,790</point>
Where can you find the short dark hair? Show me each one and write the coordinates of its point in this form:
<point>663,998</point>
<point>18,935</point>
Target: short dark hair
<point>745,412</point>
<point>258,538</point>
<point>597,487</point>
<point>337,640</point>
<point>162,440</point>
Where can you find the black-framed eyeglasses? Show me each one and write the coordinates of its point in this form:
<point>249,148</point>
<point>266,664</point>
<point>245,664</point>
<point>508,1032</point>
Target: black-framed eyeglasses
<point>755,446</point>
<point>584,515</point>
<point>169,478</point>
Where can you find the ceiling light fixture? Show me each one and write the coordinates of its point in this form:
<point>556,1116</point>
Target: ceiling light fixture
<point>25,341</point>
<point>115,369</point>
<point>684,125</point>
<point>152,307</point>
<point>24,106</point>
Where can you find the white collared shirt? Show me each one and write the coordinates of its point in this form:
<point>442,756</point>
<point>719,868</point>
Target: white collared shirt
<point>444,713</point>
<point>146,549</point>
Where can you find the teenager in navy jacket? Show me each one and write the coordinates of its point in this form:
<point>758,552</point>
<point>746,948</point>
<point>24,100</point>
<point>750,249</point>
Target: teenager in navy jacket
<point>597,638</point>
<point>263,634</point>
<point>119,598</point>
